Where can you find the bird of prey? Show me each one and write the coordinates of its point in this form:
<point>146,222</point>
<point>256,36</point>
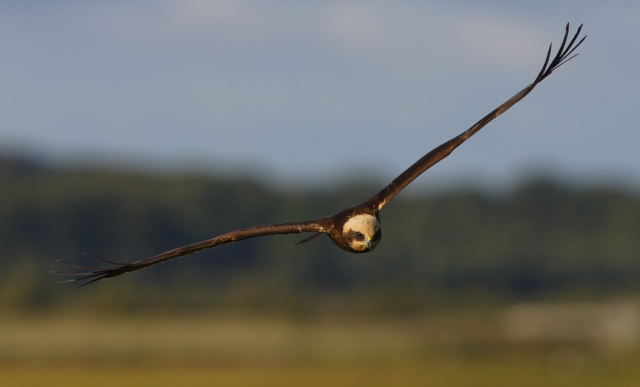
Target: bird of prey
<point>354,229</point>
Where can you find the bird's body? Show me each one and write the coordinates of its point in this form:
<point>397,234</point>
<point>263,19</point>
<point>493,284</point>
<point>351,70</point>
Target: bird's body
<point>355,229</point>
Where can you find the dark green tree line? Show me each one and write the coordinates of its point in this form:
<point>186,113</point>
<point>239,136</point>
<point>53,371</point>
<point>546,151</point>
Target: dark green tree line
<point>539,240</point>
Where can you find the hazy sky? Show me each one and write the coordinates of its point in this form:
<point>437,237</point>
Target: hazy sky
<point>309,90</point>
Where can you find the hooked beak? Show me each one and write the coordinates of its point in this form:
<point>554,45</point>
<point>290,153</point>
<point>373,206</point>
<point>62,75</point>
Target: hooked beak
<point>369,244</point>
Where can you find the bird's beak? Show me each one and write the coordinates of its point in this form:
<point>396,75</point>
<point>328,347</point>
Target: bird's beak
<point>369,243</point>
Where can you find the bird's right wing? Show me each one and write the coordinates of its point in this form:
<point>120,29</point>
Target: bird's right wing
<point>439,153</point>
<point>97,273</point>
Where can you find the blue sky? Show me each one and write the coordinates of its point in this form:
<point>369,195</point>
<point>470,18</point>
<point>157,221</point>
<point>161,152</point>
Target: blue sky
<point>319,90</point>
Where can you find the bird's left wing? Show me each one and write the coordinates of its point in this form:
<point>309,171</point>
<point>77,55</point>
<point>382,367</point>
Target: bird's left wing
<point>97,273</point>
<point>439,153</point>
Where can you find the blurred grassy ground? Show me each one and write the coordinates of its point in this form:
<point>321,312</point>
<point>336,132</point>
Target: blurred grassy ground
<point>465,347</point>
<point>500,371</point>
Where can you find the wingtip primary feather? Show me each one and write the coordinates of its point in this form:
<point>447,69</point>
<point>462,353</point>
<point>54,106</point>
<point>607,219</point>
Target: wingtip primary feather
<point>104,260</point>
<point>104,276</point>
<point>561,57</point>
<point>94,273</point>
<point>83,267</point>
<point>544,66</point>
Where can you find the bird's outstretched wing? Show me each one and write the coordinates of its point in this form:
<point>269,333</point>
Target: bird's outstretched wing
<point>93,274</point>
<point>439,153</point>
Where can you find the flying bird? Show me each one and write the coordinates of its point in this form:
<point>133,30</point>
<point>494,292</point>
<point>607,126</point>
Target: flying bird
<point>354,229</point>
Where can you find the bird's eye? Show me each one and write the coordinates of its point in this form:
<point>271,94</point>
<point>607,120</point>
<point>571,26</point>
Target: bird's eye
<point>359,235</point>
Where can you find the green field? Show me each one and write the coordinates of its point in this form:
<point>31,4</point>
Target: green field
<point>445,348</point>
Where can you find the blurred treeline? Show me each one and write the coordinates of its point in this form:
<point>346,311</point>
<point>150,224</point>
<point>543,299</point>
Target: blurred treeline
<point>539,241</point>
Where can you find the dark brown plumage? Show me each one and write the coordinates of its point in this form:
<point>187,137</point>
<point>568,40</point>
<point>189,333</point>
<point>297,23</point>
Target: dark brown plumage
<point>354,229</point>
